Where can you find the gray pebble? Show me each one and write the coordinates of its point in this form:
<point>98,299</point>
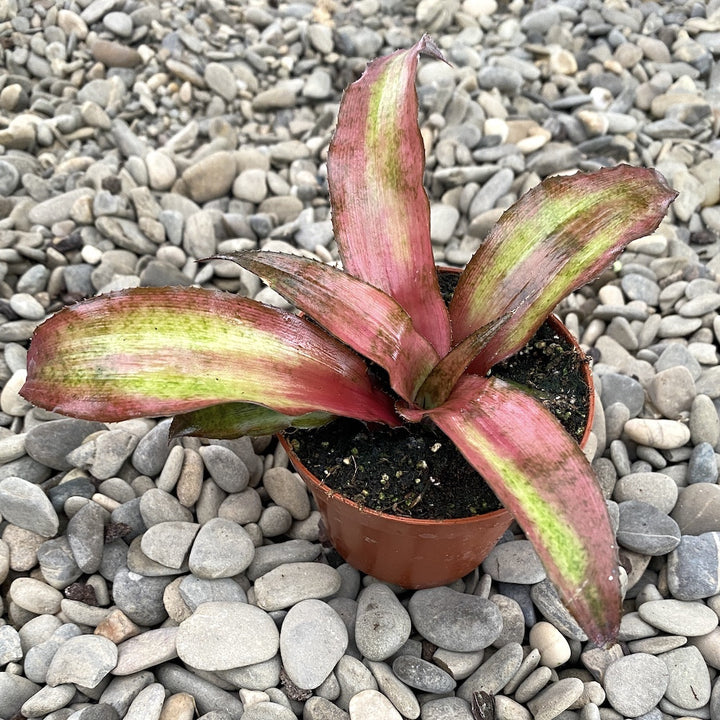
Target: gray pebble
<point>288,491</point>
<point>148,703</point>
<point>556,698</point>
<point>661,434</point>
<point>697,509</point>
<point>268,557</point>
<point>679,618</point>
<point>221,549</point>
<point>352,677</point>
<point>169,542</point>
<point>312,640</point>
<point>703,465</point>
<point>514,562</point>
<point>148,649</point>
<point>208,697</point>
<point>645,529</point>
<point>248,635</point>
<point>50,442</point>
<point>48,699</point>
<point>243,508</point>
<point>693,568</point>
<point>39,656</point>
<point>654,488</point>
<point>634,684</point>
<point>35,596</point>
<point>84,660</point>
<point>494,673</point>
<point>195,591</point>
<point>622,389</point>
<point>704,422</point>
<point>290,583</point>
<point>226,468</point>
<point>157,507</point>
<point>274,521</point>
<point>15,691</point>
<point>10,647</point>
<point>689,680</point>
<point>26,505</point>
<point>422,675</point>
<point>399,694</point>
<point>546,598</point>
<point>153,449</point>
<point>455,621</point>
<point>86,535</point>
<point>382,624</point>
<point>140,598</point>
<point>672,391</point>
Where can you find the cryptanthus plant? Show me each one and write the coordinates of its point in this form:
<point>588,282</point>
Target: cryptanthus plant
<point>226,365</point>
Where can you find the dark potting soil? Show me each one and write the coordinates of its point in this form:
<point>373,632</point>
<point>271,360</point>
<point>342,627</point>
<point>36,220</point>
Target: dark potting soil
<point>415,470</point>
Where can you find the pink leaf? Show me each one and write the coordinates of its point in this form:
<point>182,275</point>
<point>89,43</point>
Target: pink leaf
<point>162,351</point>
<point>540,474</point>
<point>360,315</point>
<point>556,238</point>
<point>381,213</point>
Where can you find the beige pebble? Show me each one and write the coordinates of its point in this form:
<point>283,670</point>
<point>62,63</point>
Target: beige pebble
<point>35,596</point>
<point>23,546</point>
<point>554,648</point>
<point>180,706</point>
<point>189,484</point>
<point>660,434</point>
<point>117,626</point>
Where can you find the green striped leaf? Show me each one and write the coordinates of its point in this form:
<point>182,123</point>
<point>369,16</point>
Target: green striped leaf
<point>556,238</point>
<point>540,474</point>
<point>163,351</point>
<point>380,211</point>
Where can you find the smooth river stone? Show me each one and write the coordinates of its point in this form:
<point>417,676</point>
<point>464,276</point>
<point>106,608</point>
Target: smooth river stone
<point>382,624</point>
<point>455,621</point>
<point>660,434</point>
<point>634,684</point>
<point>221,636</point>
<point>290,583</point>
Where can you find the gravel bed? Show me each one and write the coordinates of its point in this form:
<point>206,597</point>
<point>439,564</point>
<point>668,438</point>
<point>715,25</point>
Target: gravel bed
<point>143,579</point>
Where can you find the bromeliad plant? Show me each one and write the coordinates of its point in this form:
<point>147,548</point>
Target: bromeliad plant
<point>228,365</point>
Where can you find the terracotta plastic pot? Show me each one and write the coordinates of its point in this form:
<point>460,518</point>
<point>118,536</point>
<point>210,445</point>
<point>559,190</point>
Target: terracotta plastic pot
<point>410,552</point>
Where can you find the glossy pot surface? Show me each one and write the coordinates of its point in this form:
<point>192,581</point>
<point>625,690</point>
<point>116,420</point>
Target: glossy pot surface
<point>409,552</point>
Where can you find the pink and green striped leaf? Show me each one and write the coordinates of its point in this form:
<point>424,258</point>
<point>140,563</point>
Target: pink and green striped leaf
<point>358,314</point>
<point>233,420</point>
<point>163,351</point>
<point>556,238</point>
<point>380,212</point>
<point>540,474</point>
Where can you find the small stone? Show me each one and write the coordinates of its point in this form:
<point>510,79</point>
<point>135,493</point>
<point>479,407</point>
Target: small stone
<point>221,549</point>
<point>290,583</point>
<point>693,568</point>
<point>140,597</point>
<point>312,640</point>
<point>145,650</point>
<point>703,465</point>
<point>422,675</point>
<point>672,391</point>
<point>399,694</point>
<point>10,647</point>
<point>382,624</point>
<point>288,491</point>
<point>697,509</point>
<point>556,698</point>
<point>618,388</point>
<point>679,618</point>
<point>35,596</point>
<point>660,434</point>
<point>455,621</point>
<point>545,597</point>
<point>227,470</point>
<point>554,648</point>
<point>84,660</point>
<point>644,529</point>
<point>634,684</point>
<point>515,562</point>
<point>26,505</point>
<point>50,442</point>
<point>372,705</point>
<point>162,172</point>
<point>196,591</point>
<point>220,636</point>
<point>654,488</point>
<point>495,673</point>
<point>157,507</point>
<point>15,691</point>
<point>153,449</point>
<point>220,80</point>
<point>148,703</point>
<point>86,535</point>
<point>210,177</point>
<point>689,680</point>
<point>169,542</point>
